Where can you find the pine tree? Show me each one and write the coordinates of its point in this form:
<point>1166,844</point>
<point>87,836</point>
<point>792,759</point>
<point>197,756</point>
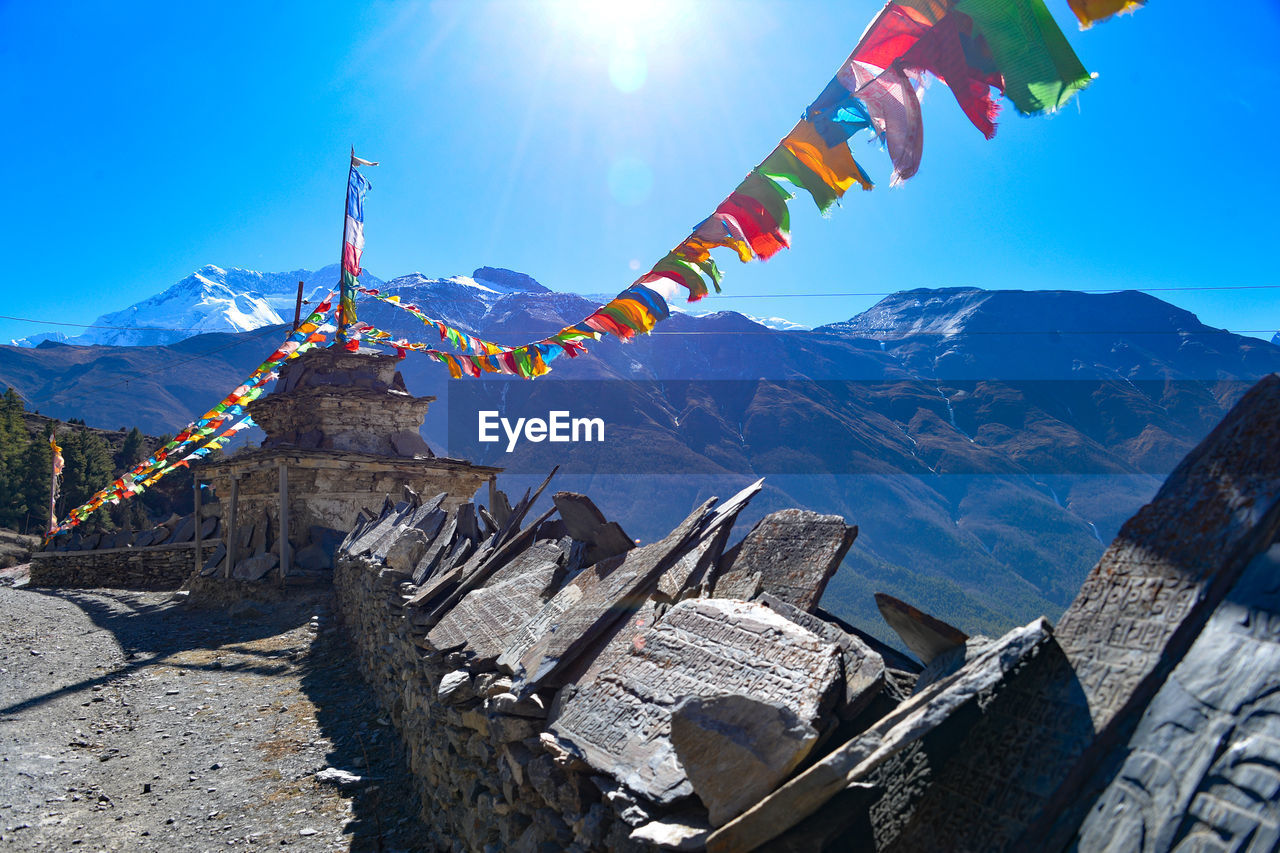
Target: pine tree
<point>13,444</point>
<point>132,451</point>
<point>37,468</point>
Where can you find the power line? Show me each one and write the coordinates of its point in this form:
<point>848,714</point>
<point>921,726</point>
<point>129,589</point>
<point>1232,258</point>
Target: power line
<point>122,328</point>
<point>791,295</point>
<point>262,333</point>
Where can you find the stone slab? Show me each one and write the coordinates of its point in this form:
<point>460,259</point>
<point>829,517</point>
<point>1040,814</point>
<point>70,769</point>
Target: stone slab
<point>597,606</point>
<point>363,520</point>
<point>482,624</point>
<point>1154,589</point>
<point>614,644</point>
<point>621,724</point>
<point>535,558</point>
<point>863,668</point>
<point>887,768</point>
<point>735,749</point>
<point>580,515</point>
<point>924,635</point>
<point>693,567</point>
<point>261,537</point>
<point>609,540</point>
<point>255,567</point>
<point>1203,764</point>
<point>401,520</point>
<point>501,509</point>
<point>794,552</point>
<point>214,564</point>
<point>185,531</point>
<point>516,518</point>
<point>436,551</point>
<point>553,529</point>
<point>582,587</point>
<point>378,530</point>
<point>468,523</point>
<point>488,524</point>
<point>1219,508</point>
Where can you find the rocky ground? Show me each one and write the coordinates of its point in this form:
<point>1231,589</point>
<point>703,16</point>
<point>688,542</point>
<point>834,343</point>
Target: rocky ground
<point>131,721</point>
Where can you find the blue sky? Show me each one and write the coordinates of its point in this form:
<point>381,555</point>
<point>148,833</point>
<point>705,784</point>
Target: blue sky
<point>579,141</point>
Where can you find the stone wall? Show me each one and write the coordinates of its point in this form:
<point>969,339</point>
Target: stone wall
<point>485,781</point>
<point>157,567</point>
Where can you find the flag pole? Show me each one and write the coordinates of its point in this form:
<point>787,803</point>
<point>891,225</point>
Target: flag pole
<point>345,298</point>
<point>349,278</point>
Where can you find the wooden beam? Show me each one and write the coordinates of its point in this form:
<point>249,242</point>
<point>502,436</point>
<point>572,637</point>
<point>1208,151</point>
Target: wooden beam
<point>297,309</point>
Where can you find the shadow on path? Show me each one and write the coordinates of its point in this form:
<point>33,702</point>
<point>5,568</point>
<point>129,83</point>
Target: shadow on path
<point>159,629</point>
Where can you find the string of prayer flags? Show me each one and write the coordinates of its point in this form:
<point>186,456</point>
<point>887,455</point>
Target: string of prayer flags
<point>972,46</point>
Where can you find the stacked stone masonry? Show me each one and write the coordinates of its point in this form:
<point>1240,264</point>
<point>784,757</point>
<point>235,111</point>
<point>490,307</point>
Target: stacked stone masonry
<point>160,567</point>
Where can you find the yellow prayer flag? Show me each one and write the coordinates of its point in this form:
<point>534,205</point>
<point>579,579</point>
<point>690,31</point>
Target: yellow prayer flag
<point>834,166</point>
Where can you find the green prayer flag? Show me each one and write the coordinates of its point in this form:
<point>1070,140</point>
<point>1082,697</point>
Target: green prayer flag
<point>783,164</point>
<point>689,273</point>
<point>713,272</point>
<point>1041,71</point>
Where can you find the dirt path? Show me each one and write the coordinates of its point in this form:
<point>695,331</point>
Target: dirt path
<point>129,721</point>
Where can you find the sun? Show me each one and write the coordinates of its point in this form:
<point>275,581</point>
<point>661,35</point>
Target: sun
<point>628,31</point>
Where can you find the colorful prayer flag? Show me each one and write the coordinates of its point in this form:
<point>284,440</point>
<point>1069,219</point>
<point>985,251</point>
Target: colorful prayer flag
<point>352,249</point>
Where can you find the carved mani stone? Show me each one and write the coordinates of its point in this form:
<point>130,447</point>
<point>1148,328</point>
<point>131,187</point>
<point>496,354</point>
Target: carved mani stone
<point>535,558</point>
<point>1025,776</point>
<point>864,793</point>
<point>690,570</point>
<point>486,619</point>
<point>436,551</point>
<point>864,669</point>
<point>621,723</point>
<point>794,552</point>
<point>1203,766</point>
<point>1219,508</point>
<point>594,602</point>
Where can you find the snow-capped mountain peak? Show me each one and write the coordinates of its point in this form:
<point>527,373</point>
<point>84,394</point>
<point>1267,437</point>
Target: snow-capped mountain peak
<point>231,299</point>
